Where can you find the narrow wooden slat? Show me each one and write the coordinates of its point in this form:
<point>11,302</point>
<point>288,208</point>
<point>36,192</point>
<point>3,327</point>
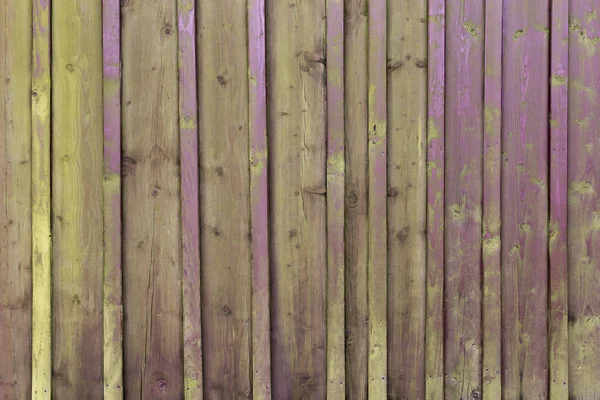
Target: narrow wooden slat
<point>15,199</point>
<point>336,374</point>
<point>377,202</point>
<point>407,119</point>
<point>259,192</point>
<point>190,219</point>
<point>583,199</point>
<point>297,133</point>
<point>434,325</point>
<point>355,213</point>
<point>153,332</point>
<point>225,198</point>
<point>525,199</point>
<point>113,273</point>
<point>77,181</point>
<point>41,332</point>
<point>558,335</point>
<point>492,148</point>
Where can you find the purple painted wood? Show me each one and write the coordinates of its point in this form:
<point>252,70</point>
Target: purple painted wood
<point>525,198</point>
<point>434,326</point>
<point>190,220</point>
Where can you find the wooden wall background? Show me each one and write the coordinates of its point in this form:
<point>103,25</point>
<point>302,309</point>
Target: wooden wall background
<point>300,199</point>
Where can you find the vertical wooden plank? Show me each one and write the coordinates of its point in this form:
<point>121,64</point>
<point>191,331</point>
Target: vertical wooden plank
<point>525,198</point>
<point>463,194</point>
<point>558,335</point>
<point>151,205</point>
<point>584,200</point>
<point>492,149</point>
<point>190,206</point>
<point>377,202</point>
<point>113,273</point>
<point>407,119</point>
<point>77,177</point>
<point>259,201</point>
<point>297,123</point>
<point>225,198</point>
<point>356,124</point>
<point>15,200</point>
<point>41,312</point>
<point>336,376</point>
<point>434,323</point>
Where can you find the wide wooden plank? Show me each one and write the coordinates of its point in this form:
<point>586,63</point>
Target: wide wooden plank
<point>77,182</point>
<point>525,198</point>
<point>407,120</point>
<point>41,239</point>
<point>434,324</point>
<point>190,207</point>
<point>113,273</point>
<point>584,200</point>
<point>558,335</point>
<point>297,134</point>
<point>225,198</point>
<point>153,334</point>
<point>356,114</point>
<point>15,199</point>
<point>492,152</point>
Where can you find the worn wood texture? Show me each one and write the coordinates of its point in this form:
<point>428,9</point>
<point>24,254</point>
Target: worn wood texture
<point>407,120</point>
<point>77,220</point>
<point>152,270</point>
<point>297,134</point>
<point>355,209</point>
<point>584,201</point>
<point>525,199</point>
<point>15,199</point>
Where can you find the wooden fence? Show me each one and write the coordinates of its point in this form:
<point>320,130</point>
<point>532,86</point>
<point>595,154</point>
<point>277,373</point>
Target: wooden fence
<point>300,199</point>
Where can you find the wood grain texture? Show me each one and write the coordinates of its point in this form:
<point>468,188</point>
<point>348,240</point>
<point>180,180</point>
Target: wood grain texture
<point>407,120</point>
<point>225,198</point>
<point>297,132</point>
<point>558,335</point>
<point>77,177</point>
<point>190,206</point>
<point>463,198</point>
<point>113,272</point>
<point>434,323</point>
<point>151,203</point>
<point>584,201</point>
<point>492,184</point>
<point>355,212</point>
<point>377,202</point>
<point>41,239</point>
<point>525,199</point>
<point>15,199</point>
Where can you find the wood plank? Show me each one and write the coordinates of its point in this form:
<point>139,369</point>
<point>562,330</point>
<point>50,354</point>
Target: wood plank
<point>525,199</point>
<point>407,119</point>
<point>225,198</point>
<point>584,200</point>
<point>15,200</point>
<point>336,374</point>
<point>492,152</point>
<point>113,273</point>
<point>151,205</point>
<point>377,202</point>
<point>41,308</point>
<point>356,114</point>
<point>190,206</point>
<point>259,201</point>
<point>558,335</point>
<point>297,133</point>
<point>77,180</point>
<point>434,325</point>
